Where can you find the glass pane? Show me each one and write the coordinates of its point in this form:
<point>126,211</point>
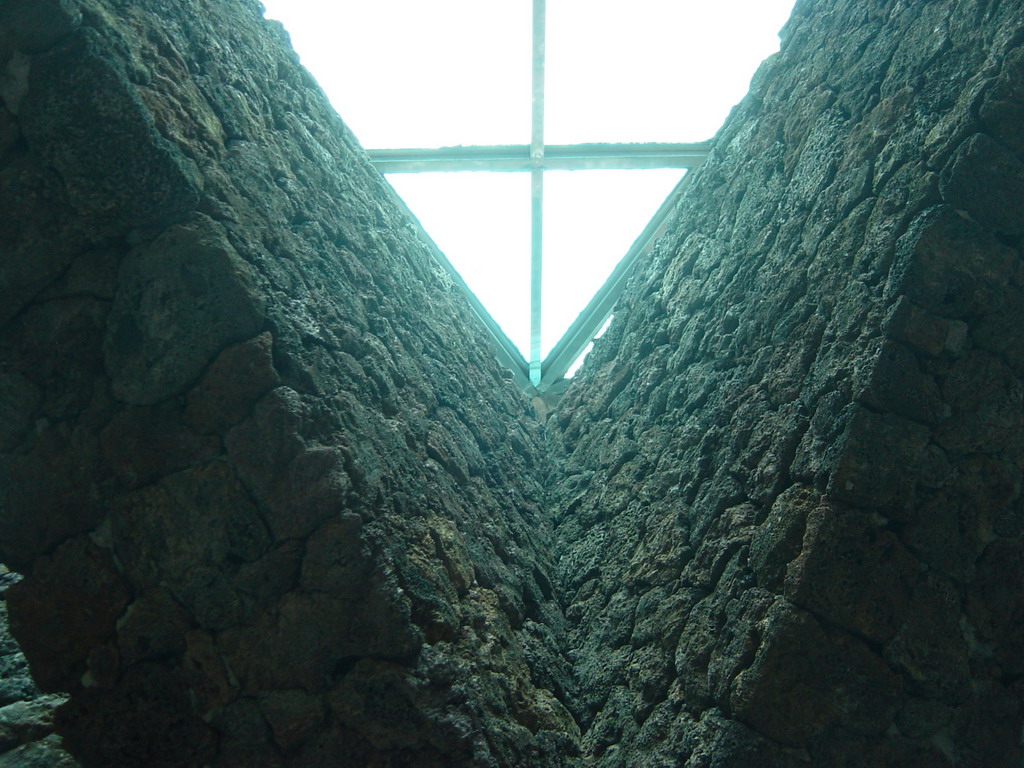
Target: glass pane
<point>481,222</point>
<point>406,73</point>
<point>591,219</point>
<point>655,70</point>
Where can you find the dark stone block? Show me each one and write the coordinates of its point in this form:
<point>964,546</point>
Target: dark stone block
<point>880,457</point>
<point>946,535</point>
<point>1002,112</point>
<point>852,573</point>
<point>58,345</point>
<point>83,115</point>
<point>40,235</point>
<point>33,26</point>
<point>779,537</point>
<point>930,647</point>
<point>190,532</point>
<point>299,485</point>
<point>153,628</point>
<point>229,389</point>
<point>899,385</point>
<point>952,266</point>
<point>46,610</point>
<point>925,332</point>
<point>180,300</point>
<point>46,753</point>
<point>997,332</point>
<point>985,731</point>
<point>987,404</point>
<point>995,603</point>
<point>838,749</point>
<point>293,715</point>
<point>310,635</point>
<point>987,180</point>
<point>9,131</point>
<point>18,401</point>
<point>805,680</point>
<point>144,444</point>
<point>56,482</point>
<point>146,719</point>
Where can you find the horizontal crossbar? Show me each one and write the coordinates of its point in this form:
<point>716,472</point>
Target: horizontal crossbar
<point>555,157</point>
<point>517,157</point>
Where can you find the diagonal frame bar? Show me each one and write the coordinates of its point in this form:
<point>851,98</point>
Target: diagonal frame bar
<point>506,352</point>
<point>587,324</point>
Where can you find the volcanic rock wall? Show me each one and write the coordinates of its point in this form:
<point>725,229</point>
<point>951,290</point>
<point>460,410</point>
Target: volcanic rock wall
<point>26,714</point>
<point>790,526</point>
<point>277,506</point>
<point>276,502</point>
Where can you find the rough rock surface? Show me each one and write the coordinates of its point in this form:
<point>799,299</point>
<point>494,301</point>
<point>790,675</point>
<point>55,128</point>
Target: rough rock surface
<point>277,506</point>
<point>275,500</point>
<point>26,714</point>
<point>793,464</point>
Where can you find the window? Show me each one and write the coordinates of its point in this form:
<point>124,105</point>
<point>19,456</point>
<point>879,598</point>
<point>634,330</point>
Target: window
<point>537,142</point>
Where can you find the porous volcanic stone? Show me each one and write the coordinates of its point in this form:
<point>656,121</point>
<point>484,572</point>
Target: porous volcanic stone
<point>277,505</point>
<point>795,452</point>
<point>275,499</point>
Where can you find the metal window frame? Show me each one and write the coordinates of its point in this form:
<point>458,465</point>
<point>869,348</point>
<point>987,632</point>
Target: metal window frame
<point>536,374</point>
<point>556,157</point>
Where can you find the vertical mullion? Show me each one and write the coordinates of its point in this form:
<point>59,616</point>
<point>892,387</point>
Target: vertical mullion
<point>537,191</point>
<point>536,268</point>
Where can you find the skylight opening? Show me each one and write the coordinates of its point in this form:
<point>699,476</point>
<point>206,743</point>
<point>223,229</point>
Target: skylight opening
<point>407,73</point>
<point>655,70</point>
<point>453,73</point>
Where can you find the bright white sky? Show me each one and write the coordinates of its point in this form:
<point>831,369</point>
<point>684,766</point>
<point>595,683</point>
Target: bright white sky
<point>409,73</point>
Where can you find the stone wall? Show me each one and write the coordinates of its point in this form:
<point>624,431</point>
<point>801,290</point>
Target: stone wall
<point>277,505</point>
<point>274,498</point>
<point>26,714</point>
<point>790,524</point>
